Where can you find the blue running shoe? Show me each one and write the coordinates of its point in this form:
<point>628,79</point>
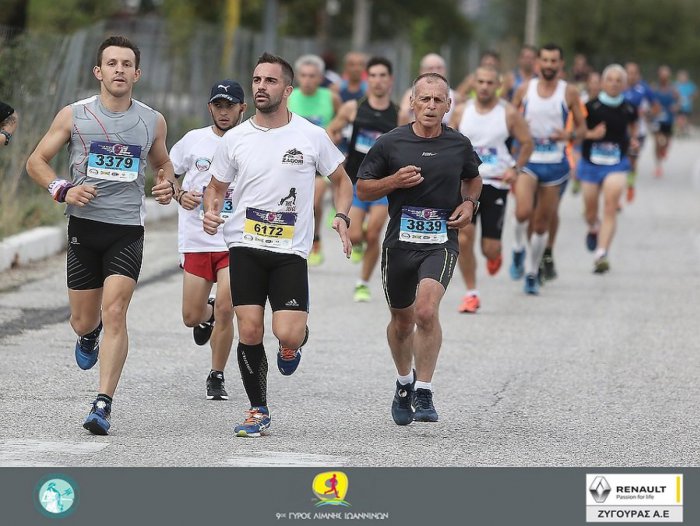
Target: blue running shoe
<point>591,241</point>
<point>423,402</point>
<point>532,285</point>
<point>288,359</point>
<point>87,348</point>
<point>517,266</point>
<point>257,421</point>
<point>97,422</point>
<point>401,408</point>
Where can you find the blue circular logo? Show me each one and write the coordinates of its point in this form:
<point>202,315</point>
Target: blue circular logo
<point>57,496</point>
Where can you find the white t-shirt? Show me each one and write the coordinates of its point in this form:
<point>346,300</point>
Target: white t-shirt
<point>273,171</point>
<point>192,156</point>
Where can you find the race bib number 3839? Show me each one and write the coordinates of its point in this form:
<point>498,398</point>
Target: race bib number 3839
<point>423,225</point>
<point>114,162</point>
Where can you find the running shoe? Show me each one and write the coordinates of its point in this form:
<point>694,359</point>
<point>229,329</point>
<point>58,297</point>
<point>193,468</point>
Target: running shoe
<point>315,258</point>
<point>215,386</point>
<point>591,241</point>
<point>630,194</point>
<point>257,421</point>
<point>423,402</point>
<point>575,186</point>
<point>288,359</point>
<point>532,286</point>
<point>517,267</point>
<point>202,332</point>
<point>547,266</point>
<point>601,265</point>
<point>401,406</point>
<point>659,172</point>
<point>470,304</point>
<point>494,265</point>
<point>362,294</point>
<point>358,252</point>
<point>87,348</point>
<point>97,422</point>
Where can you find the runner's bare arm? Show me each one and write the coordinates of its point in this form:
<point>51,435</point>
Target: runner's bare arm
<point>373,189</point>
<point>456,116</point>
<point>214,196</point>
<point>342,192</point>
<point>164,189</point>
<point>345,115</point>
<point>38,166</point>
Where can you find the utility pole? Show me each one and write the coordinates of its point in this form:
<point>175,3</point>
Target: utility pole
<point>361,24</point>
<point>231,21</point>
<point>532,22</point>
<point>270,26</point>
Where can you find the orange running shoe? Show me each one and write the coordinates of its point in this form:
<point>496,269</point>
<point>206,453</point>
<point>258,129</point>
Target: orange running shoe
<point>470,304</point>
<point>493,265</point>
<point>630,194</point>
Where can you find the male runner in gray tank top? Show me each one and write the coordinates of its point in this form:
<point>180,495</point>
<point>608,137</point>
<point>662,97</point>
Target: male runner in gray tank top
<point>111,139</point>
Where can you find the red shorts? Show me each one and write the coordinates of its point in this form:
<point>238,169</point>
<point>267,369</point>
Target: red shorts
<point>205,264</point>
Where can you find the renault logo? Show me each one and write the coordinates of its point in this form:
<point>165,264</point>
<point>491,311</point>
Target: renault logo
<point>600,489</point>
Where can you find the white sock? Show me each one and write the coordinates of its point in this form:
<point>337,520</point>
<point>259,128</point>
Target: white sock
<point>599,253</point>
<point>473,292</point>
<point>520,236</point>
<point>424,385</point>
<point>362,282</point>
<point>538,242</point>
<point>405,380</point>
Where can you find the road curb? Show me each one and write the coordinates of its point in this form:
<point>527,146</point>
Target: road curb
<point>42,242</point>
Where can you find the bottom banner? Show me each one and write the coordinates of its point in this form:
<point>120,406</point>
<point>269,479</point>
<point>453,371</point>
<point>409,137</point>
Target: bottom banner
<point>383,496</point>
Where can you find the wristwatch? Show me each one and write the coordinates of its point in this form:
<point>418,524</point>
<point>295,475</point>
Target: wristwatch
<point>7,135</point>
<point>474,202</point>
<point>344,218</point>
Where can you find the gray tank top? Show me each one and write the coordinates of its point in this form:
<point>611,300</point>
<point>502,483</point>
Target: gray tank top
<point>108,150</point>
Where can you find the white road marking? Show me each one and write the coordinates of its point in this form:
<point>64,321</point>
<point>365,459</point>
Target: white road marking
<point>37,453</point>
<point>283,458</point>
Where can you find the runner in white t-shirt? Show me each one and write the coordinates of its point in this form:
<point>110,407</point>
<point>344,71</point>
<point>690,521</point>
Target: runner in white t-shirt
<point>205,257</point>
<point>273,159</point>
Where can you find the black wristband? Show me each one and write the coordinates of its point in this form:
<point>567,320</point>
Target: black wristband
<point>344,218</point>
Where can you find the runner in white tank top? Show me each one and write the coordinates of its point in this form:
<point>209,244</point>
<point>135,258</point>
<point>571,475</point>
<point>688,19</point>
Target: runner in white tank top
<point>488,122</point>
<point>545,102</point>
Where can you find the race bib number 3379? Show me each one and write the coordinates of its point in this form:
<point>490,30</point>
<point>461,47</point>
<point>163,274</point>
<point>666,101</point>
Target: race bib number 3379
<point>113,161</point>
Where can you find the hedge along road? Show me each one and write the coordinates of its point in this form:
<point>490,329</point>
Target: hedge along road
<point>596,371</point>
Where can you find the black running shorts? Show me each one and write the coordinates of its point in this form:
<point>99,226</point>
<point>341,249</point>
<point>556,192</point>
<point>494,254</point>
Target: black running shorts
<point>258,275</point>
<point>492,211</point>
<point>97,250</point>
<point>402,271</point>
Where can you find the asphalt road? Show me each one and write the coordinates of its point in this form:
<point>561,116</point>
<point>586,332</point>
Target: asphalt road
<point>596,371</point>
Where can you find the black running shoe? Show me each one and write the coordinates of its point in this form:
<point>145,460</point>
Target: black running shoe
<point>401,408</point>
<point>202,332</point>
<point>548,271</point>
<point>215,386</point>
<point>97,422</point>
<point>423,402</point>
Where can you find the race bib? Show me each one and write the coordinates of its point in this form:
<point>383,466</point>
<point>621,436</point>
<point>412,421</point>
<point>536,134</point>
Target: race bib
<point>226,210</point>
<point>547,152</point>
<point>114,162</point>
<point>423,225</point>
<point>365,140</point>
<point>488,156</point>
<point>269,229</point>
<point>605,153</point>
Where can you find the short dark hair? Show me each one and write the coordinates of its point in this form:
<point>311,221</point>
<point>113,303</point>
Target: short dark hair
<point>551,47</point>
<point>287,70</point>
<point>490,53</point>
<point>379,61</point>
<point>119,41</point>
